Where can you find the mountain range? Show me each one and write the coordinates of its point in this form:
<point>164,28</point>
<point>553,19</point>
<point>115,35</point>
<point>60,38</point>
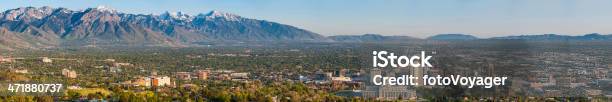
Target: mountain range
<point>43,27</point>
<point>31,27</point>
<point>556,37</point>
<point>467,37</point>
<point>370,38</point>
<point>452,37</point>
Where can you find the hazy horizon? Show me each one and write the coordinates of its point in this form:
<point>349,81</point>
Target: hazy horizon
<point>417,18</point>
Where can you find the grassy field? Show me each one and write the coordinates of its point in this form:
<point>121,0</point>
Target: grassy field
<point>87,91</point>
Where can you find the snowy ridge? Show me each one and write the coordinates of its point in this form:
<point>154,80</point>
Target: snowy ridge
<point>106,9</point>
<point>218,14</point>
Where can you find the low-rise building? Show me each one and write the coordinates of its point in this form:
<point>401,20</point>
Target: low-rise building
<point>46,60</point>
<point>183,75</point>
<point>239,75</point>
<point>122,64</point>
<point>22,71</point>
<point>2,59</point>
<point>152,81</point>
<point>161,81</point>
<point>202,74</point>
<point>69,73</point>
<point>223,77</point>
<point>74,87</point>
<point>322,76</point>
<point>388,92</point>
<point>113,69</point>
<point>594,92</point>
<point>142,81</point>
<point>341,79</point>
<point>109,60</point>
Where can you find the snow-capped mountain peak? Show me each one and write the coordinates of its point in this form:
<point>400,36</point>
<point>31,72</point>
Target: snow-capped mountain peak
<point>219,14</point>
<point>27,13</point>
<point>106,9</point>
<point>175,15</point>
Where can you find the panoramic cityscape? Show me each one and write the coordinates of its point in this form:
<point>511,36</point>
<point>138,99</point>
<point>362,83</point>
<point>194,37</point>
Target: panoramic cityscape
<point>105,54</point>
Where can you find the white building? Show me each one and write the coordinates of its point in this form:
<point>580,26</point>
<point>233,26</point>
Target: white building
<point>387,92</point>
<point>46,60</point>
<point>22,71</point>
<point>161,81</point>
<point>69,73</point>
<point>239,75</point>
<point>342,78</point>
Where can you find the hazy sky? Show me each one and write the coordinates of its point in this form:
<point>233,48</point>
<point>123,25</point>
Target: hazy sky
<point>419,18</point>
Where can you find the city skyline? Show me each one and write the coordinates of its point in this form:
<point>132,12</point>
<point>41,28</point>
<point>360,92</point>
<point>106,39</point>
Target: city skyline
<point>410,18</point>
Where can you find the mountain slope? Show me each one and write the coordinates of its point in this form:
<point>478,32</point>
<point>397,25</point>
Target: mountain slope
<point>224,26</point>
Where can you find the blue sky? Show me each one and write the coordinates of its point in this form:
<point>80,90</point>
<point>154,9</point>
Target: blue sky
<point>419,18</point>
